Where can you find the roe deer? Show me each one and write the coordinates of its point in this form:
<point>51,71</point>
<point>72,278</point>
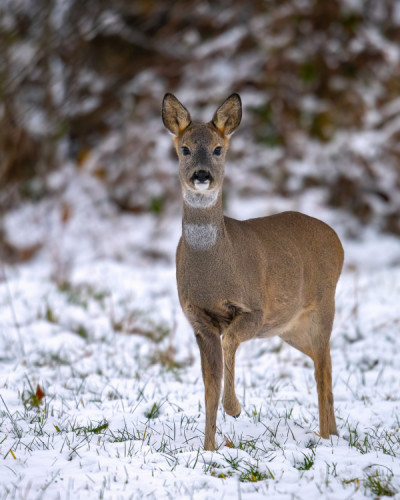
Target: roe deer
<point>247,279</point>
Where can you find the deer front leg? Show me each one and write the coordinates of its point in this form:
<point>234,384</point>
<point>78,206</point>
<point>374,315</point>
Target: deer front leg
<point>244,327</point>
<point>211,367</point>
<point>209,342</point>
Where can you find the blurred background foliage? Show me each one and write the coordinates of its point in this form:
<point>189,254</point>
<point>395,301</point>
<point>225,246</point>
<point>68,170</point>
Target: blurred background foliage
<point>81,83</point>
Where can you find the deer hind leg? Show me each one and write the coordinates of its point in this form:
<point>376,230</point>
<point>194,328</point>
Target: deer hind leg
<point>320,333</point>
<point>323,377</point>
<point>244,327</point>
<point>311,336</point>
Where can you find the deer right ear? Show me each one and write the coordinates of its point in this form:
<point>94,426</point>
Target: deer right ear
<point>175,116</point>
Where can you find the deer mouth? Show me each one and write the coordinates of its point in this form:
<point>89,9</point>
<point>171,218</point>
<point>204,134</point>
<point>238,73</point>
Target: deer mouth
<point>201,180</point>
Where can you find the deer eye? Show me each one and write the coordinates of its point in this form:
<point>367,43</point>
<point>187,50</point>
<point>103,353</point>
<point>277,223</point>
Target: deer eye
<point>185,151</point>
<point>217,150</point>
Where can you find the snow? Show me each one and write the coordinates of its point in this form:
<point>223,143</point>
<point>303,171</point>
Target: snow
<point>94,320</point>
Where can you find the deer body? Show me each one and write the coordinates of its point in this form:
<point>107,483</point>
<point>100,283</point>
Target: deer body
<point>239,280</point>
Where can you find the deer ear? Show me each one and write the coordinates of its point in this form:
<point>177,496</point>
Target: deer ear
<point>175,116</point>
<point>228,115</point>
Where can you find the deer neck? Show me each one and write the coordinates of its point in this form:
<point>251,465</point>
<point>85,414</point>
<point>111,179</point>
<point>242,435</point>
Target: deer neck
<point>203,226</point>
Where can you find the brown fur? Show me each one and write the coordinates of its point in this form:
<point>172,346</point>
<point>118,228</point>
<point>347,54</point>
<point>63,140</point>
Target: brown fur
<point>240,280</point>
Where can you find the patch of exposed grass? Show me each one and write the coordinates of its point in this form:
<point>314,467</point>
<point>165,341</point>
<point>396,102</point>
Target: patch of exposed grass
<point>49,315</point>
<point>166,358</point>
<point>137,323</point>
<point>379,484</point>
<point>82,332</point>
<point>91,428</point>
<point>362,444</point>
<point>82,294</point>
<point>252,474</point>
<point>307,462</point>
<point>154,411</point>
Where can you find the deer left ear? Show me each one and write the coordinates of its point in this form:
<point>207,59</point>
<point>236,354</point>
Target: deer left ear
<point>228,116</point>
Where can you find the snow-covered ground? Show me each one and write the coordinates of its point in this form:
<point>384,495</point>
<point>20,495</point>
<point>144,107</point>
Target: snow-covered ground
<point>101,393</point>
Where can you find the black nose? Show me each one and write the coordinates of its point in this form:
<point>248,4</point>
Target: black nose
<point>201,176</point>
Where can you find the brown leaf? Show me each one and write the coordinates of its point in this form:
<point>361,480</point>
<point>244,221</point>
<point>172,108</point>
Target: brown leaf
<point>39,393</point>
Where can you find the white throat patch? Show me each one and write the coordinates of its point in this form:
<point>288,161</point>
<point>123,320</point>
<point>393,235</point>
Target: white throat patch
<point>200,236</point>
<point>201,199</point>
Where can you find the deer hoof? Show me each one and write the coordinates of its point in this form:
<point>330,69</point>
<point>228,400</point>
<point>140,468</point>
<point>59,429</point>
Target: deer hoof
<point>234,409</point>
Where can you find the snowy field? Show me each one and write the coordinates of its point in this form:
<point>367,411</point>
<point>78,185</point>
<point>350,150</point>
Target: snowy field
<point>101,393</point>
